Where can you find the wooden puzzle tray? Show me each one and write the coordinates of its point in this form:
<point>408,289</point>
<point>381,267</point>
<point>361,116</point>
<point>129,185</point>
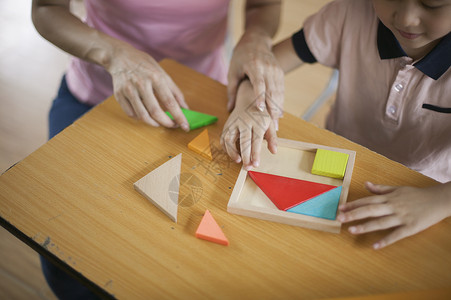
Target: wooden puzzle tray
<point>294,159</point>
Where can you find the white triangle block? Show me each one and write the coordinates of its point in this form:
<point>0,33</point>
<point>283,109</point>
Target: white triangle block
<point>161,186</point>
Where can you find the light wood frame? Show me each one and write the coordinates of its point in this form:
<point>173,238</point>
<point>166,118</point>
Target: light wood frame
<point>293,159</point>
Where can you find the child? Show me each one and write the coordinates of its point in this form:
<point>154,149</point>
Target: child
<point>394,97</point>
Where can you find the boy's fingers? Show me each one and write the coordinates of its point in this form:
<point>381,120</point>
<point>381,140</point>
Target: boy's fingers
<point>362,202</point>
<point>257,139</point>
<point>271,138</point>
<point>230,145</point>
<point>276,124</point>
<point>379,189</point>
<point>368,211</point>
<point>396,235</point>
<point>245,146</point>
<point>376,224</point>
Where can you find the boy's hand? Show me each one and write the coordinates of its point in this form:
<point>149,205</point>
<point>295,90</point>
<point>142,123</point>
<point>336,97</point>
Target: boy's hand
<point>408,210</point>
<point>248,125</point>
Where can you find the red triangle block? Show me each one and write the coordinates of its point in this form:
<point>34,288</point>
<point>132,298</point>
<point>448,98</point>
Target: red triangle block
<point>287,192</point>
<point>209,230</point>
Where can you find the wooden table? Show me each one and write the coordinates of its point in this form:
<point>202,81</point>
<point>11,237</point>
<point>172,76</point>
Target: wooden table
<point>73,201</point>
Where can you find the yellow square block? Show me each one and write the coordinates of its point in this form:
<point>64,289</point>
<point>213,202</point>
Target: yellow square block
<point>330,163</point>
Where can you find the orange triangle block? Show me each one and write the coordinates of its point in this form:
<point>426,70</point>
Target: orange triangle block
<point>209,230</point>
<point>201,145</point>
<point>287,192</point>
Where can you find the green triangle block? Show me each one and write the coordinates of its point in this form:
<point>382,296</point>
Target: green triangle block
<point>196,119</point>
<point>322,206</point>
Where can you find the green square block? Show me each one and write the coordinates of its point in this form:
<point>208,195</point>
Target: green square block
<point>330,163</point>
<point>196,119</point>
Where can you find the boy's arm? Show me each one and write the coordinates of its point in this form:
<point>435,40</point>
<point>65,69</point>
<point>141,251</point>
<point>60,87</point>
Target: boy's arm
<point>140,84</point>
<point>286,56</point>
<point>407,210</point>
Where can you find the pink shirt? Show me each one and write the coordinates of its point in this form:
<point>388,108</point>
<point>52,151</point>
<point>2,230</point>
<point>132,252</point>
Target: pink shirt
<point>191,32</point>
<point>385,101</point>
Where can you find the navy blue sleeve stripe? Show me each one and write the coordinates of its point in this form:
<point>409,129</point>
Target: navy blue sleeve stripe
<point>446,110</point>
<point>301,47</point>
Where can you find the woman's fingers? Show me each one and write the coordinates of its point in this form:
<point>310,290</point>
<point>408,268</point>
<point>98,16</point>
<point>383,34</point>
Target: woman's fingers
<point>145,91</point>
<point>178,95</point>
<point>168,101</point>
<point>132,96</point>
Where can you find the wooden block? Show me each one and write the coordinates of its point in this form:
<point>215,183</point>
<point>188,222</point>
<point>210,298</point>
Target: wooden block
<point>209,230</point>
<point>196,119</point>
<point>157,188</point>
<point>330,163</point>
<point>323,206</point>
<point>201,145</point>
<point>293,159</point>
<point>287,192</point>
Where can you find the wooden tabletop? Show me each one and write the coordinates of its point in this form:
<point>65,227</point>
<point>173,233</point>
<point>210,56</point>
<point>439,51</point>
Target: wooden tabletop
<point>73,201</point>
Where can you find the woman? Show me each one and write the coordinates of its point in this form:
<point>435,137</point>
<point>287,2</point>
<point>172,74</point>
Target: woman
<point>117,49</point>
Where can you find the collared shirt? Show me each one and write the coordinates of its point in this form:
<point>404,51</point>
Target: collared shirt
<point>190,32</point>
<point>385,101</point>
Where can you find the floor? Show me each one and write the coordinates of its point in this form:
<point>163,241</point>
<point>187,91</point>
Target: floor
<point>30,70</point>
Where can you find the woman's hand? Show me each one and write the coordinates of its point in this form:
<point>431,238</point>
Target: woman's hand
<point>408,210</point>
<point>144,90</point>
<point>253,58</point>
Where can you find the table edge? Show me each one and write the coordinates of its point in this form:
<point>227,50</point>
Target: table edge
<point>41,250</point>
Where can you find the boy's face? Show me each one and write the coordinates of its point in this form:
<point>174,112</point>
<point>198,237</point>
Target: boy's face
<point>418,25</point>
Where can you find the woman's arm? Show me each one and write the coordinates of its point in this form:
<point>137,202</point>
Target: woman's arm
<point>253,58</point>
<point>140,84</point>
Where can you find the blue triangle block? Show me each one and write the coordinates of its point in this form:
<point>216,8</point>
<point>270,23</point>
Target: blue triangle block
<point>322,206</point>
